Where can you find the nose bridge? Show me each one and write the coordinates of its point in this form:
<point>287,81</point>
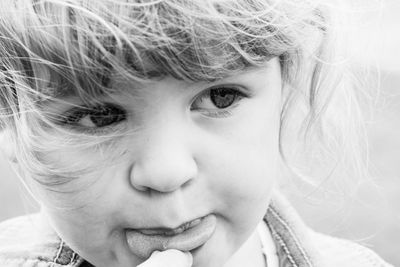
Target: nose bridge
<point>165,161</point>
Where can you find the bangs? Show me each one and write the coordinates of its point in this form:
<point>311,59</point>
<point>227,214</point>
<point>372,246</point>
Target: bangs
<point>83,44</point>
<point>55,48</point>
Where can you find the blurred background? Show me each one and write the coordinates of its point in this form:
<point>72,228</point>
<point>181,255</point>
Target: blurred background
<point>373,216</point>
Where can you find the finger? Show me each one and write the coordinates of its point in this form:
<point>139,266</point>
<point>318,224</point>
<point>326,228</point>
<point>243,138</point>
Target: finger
<point>168,258</point>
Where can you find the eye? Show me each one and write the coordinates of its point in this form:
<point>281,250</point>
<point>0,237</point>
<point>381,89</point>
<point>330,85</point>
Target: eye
<point>217,99</point>
<point>94,117</point>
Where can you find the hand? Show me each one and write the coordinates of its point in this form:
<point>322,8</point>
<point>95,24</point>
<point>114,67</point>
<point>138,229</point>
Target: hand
<point>168,258</point>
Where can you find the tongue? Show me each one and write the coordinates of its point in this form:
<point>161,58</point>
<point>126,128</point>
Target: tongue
<point>143,245</point>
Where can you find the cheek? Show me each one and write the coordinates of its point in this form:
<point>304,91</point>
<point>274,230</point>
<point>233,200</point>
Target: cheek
<point>91,228</point>
<point>248,178</point>
<point>245,165</point>
<point>256,153</point>
<point>241,177</point>
<point>83,210</point>
<point>80,230</point>
<point>91,200</point>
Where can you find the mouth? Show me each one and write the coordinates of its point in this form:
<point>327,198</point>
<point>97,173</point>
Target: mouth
<point>169,231</point>
<point>186,237</point>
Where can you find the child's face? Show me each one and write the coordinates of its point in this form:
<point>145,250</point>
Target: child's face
<point>193,150</point>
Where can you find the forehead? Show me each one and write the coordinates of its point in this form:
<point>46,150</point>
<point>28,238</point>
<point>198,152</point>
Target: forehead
<point>161,41</point>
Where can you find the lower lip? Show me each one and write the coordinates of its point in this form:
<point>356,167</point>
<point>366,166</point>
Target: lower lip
<point>143,245</point>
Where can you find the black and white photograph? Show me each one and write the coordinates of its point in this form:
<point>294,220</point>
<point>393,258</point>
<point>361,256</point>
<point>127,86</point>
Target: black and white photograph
<point>199,133</point>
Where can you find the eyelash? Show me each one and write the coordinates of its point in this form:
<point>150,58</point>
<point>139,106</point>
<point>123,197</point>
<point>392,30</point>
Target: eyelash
<point>220,112</point>
<point>72,117</point>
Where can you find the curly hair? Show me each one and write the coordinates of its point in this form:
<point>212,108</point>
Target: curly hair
<point>50,48</point>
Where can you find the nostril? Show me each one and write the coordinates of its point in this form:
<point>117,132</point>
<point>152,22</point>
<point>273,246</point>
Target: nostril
<point>133,182</point>
<point>141,188</point>
<point>188,182</point>
<point>168,185</point>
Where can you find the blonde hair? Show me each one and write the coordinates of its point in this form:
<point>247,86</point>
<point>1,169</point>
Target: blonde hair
<point>52,47</point>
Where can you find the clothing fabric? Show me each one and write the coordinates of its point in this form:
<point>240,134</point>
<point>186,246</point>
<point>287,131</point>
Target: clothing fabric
<point>27,242</point>
<point>268,246</point>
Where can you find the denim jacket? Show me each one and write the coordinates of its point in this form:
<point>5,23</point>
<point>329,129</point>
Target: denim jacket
<point>24,242</point>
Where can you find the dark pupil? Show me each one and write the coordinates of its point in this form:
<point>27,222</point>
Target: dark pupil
<point>222,98</point>
<point>104,116</point>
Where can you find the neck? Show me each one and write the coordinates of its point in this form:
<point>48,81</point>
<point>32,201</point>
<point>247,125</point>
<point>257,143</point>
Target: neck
<point>249,254</point>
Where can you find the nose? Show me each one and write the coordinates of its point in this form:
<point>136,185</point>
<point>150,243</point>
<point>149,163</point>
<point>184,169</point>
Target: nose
<point>165,162</point>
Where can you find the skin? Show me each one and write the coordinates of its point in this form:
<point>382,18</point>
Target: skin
<point>171,257</point>
<point>181,162</point>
